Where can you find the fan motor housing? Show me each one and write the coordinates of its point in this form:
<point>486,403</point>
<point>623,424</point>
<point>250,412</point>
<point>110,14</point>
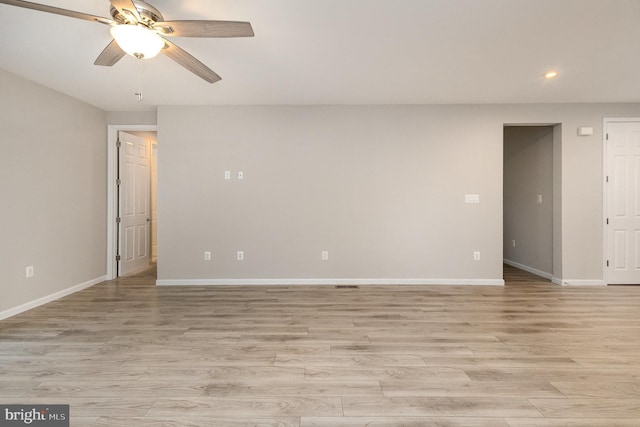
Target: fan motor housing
<point>148,13</point>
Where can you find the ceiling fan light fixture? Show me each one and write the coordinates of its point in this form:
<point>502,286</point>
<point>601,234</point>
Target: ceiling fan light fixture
<point>138,29</point>
<point>137,40</point>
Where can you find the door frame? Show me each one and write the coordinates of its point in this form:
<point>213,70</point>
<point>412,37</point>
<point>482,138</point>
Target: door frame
<point>605,190</point>
<point>112,205</point>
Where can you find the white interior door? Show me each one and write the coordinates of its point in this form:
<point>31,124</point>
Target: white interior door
<point>135,215</point>
<point>623,191</point>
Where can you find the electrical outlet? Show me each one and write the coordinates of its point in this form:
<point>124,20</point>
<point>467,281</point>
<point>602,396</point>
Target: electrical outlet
<point>513,243</point>
<point>539,198</point>
<point>227,175</point>
<point>207,255</point>
<point>476,256</point>
<point>325,255</point>
<point>240,255</point>
<point>29,272</point>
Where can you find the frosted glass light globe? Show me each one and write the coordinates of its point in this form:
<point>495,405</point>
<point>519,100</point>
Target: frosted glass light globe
<point>137,40</point>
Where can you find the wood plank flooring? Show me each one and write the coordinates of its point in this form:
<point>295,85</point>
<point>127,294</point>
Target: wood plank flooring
<point>128,353</point>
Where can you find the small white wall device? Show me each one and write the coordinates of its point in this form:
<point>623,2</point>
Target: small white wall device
<point>585,131</point>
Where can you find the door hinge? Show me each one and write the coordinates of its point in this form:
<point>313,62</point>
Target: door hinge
<point>607,263</point>
<point>607,137</point>
<point>607,178</point>
<point>118,220</point>
<point>119,144</point>
<point>607,221</point>
<point>118,258</point>
<point>118,181</point>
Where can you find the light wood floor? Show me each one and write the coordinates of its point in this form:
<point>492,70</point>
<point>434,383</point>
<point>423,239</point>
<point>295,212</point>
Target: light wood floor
<point>127,353</point>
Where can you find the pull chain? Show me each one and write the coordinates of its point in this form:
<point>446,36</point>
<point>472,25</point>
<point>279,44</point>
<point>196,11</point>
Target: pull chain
<point>139,93</point>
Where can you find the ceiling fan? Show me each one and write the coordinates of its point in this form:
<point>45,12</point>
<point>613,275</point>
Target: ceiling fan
<point>139,29</point>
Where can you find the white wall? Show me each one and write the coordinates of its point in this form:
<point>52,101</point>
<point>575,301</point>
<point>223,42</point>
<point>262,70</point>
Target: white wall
<point>381,188</point>
<point>53,191</point>
<point>528,173</point>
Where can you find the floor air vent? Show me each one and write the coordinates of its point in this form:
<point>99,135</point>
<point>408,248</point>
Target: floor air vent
<point>346,286</point>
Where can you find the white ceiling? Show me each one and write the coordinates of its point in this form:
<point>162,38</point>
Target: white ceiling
<point>346,52</point>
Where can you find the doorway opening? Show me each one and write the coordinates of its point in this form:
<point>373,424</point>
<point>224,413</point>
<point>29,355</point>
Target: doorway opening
<point>126,195</point>
<point>531,199</point>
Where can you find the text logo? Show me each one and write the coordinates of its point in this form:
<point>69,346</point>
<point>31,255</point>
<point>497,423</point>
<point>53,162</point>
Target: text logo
<point>34,415</point>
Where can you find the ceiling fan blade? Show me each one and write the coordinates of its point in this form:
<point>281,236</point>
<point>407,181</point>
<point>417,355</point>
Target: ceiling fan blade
<point>127,8</point>
<point>110,55</point>
<point>199,28</point>
<point>57,11</point>
<point>190,63</point>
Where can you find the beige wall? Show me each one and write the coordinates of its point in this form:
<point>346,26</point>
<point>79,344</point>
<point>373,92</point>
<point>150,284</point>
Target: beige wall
<point>53,181</point>
<point>131,118</point>
<point>528,173</point>
<point>381,188</point>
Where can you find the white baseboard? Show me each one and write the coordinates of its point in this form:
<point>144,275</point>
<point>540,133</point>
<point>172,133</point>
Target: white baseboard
<point>304,282</point>
<point>44,300</point>
<point>555,280</point>
<point>528,269</point>
<point>579,282</point>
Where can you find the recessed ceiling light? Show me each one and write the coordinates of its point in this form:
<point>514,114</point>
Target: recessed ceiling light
<point>551,75</point>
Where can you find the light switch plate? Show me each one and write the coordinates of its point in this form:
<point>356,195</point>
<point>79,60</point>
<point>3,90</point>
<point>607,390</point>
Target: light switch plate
<point>585,131</point>
<point>472,198</point>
